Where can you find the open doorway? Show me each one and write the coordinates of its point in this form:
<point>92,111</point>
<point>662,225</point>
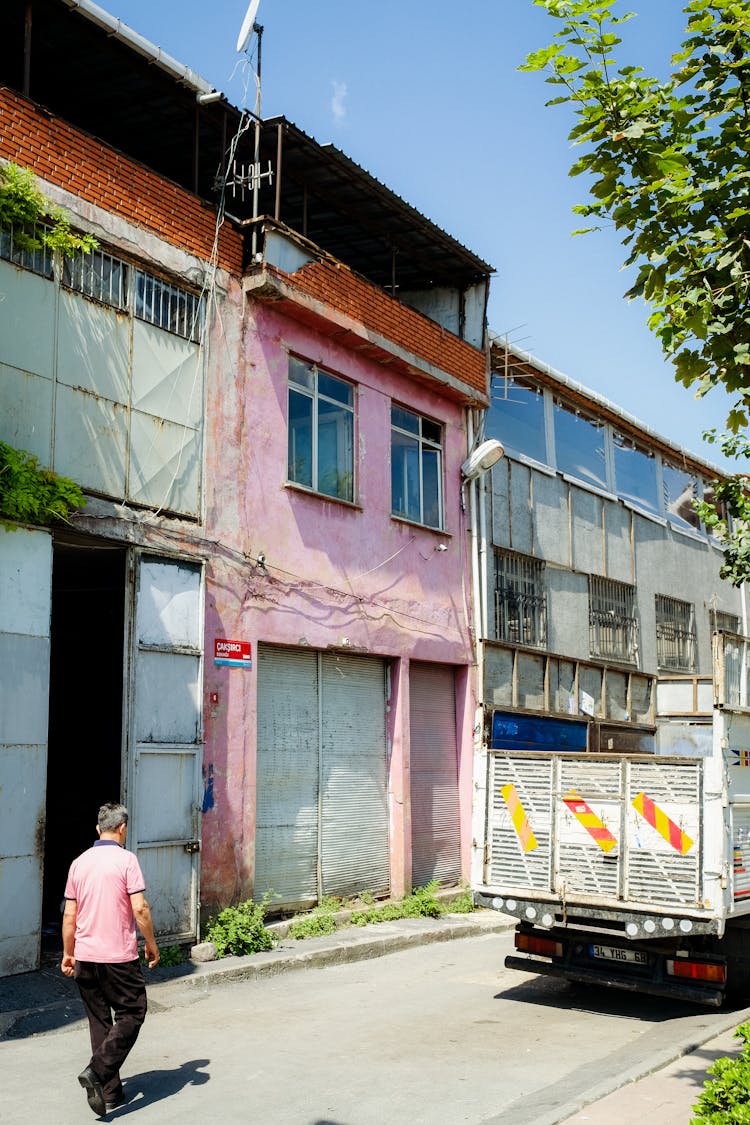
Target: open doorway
<point>84,766</point>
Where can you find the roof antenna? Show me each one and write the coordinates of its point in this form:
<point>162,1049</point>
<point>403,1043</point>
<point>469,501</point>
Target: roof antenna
<point>250,27</point>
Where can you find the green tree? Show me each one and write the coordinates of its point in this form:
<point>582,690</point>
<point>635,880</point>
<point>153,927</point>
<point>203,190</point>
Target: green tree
<point>668,161</point>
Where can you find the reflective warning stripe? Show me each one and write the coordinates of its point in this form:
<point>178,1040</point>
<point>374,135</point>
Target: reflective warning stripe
<point>519,818</point>
<point>590,821</point>
<point>743,757</point>
<point>659,820</point>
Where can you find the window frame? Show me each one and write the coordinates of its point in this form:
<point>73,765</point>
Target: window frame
<point>425,444</point>
<point>613,621</point>
<point>525,592</point>
<point>315,395</point>
<point>676,641</point>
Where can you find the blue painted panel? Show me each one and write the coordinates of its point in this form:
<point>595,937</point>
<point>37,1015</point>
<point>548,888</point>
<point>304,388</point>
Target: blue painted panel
<point>529,732</point>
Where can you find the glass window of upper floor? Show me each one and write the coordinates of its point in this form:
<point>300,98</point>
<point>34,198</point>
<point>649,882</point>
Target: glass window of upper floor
<point>416,467</point>
<point>516,416</point>
<point>321,431</point>
<point>579,445</point>
<point>680,494</point>
<point>635,473</point>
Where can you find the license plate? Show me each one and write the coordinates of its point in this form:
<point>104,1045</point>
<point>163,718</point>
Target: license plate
<point>614,953</point>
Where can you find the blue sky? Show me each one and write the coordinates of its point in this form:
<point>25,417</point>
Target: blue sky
<point>426,95</point>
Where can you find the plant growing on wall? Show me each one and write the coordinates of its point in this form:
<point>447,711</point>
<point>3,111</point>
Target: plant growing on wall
<point>31,494</point>
<point>22,206</point>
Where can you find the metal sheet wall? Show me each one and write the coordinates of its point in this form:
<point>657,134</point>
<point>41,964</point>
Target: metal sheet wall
<point>25,599</point>
<point>322,810</point>
<point>435,818</point>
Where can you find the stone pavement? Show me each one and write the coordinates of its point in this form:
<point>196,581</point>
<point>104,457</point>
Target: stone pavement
<point>46,1000</point>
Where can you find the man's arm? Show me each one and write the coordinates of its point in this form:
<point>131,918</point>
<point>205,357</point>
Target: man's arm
<point>144,922</point>
<point>70,914</point>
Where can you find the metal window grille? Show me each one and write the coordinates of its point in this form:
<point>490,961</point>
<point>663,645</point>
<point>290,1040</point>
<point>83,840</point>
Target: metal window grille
<point>724,622</point>
<point>14,248</point>
<point>613,626</point>
<point>98,275</point>
<point>167,306</point>
<point>675,634</point>
<point>520,599</point>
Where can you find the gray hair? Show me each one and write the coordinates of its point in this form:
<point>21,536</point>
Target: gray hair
<point>111,816</point>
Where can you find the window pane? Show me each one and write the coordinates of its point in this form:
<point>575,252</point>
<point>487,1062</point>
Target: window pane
<point>640,699</point>
<point>516,417</point>
<point>590,690</point>
<point>680,490</point>
<point>530,676</point>
<point>579,443</point>
<point>405,476</point>
<point>404,419</point>
<point>335,388</point>
<point>301,373</point>
<point>335,450</point>
<point>431,487</point>
<point>635,474</point>
<point>617,695</point>
<point>432,431</point>
<point>300,438</point>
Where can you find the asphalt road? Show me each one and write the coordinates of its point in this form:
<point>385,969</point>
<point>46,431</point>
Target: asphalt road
<point>437,1035</point>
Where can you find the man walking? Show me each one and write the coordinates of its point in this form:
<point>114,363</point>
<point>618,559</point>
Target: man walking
<point>104,901</point>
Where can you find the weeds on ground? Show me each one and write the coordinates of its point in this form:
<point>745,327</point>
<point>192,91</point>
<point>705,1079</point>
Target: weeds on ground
<point>170,955</point>
<point>421,903</point>
<point>240,930</point>
<point>726,1096</point>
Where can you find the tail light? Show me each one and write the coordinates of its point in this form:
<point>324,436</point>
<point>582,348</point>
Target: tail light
<point>542,946</point>
<point>698,970</point>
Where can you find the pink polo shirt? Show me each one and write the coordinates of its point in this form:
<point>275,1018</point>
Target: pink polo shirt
<point>101,882</point>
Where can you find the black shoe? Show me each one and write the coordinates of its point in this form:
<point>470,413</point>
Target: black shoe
<point>115,1103</point>
<point>94,1092</point>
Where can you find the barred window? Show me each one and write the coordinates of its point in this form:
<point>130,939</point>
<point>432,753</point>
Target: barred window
<point>520,599</point>
<point>157,302</point>
<point>98,275</point>
<point>613,626</point>
<point>675,634</point>
<point>16,245</point>
<point>722,622</point>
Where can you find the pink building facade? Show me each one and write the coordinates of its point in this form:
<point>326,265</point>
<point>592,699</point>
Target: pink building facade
<point>337,759</point>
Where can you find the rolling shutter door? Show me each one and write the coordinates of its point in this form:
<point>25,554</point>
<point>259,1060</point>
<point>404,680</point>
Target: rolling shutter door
<point>435,822</point>
<point>286,834</point>
<point>354,805</point>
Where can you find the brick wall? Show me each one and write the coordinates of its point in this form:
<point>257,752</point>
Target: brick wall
<point>77,162</point>
<point>376,310</point>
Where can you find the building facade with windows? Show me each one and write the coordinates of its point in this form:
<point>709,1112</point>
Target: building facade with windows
<point>257,632</point>
<point>602,589</point>
<point>346,746</point>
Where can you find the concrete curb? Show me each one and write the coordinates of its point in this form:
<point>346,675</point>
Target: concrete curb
<point>345,946</point>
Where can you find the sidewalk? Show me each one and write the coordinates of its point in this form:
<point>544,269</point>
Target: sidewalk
<point>45,1000</point>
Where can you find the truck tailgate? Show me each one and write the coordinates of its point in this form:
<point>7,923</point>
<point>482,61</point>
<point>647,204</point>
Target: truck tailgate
<point>620,831</point>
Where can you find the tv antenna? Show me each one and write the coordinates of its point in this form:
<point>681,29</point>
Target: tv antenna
<point>248,29</point>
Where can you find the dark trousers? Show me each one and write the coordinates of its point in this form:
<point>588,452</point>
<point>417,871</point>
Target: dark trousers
<point>109,991</point>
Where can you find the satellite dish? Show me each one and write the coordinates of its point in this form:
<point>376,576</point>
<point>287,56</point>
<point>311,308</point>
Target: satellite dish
<point>247,25</point>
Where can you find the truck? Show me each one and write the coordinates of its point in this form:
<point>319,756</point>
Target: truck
<point>630,870</point>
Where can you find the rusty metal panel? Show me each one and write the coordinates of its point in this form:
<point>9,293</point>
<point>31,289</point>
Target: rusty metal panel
<point>26,412</point>
<point>93,348</point>
<point>91,439</point>
<point>167,376</point>
<point>165,464</point>
<point>28,342</point>
<point>25,601</point>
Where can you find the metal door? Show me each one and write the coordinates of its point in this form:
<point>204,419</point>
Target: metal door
<point>25,603</point>
<point>354,796</point>
<point>286,831</point>
<point>166,738</point>
<point>322,809</point>
<point>435,821</point>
